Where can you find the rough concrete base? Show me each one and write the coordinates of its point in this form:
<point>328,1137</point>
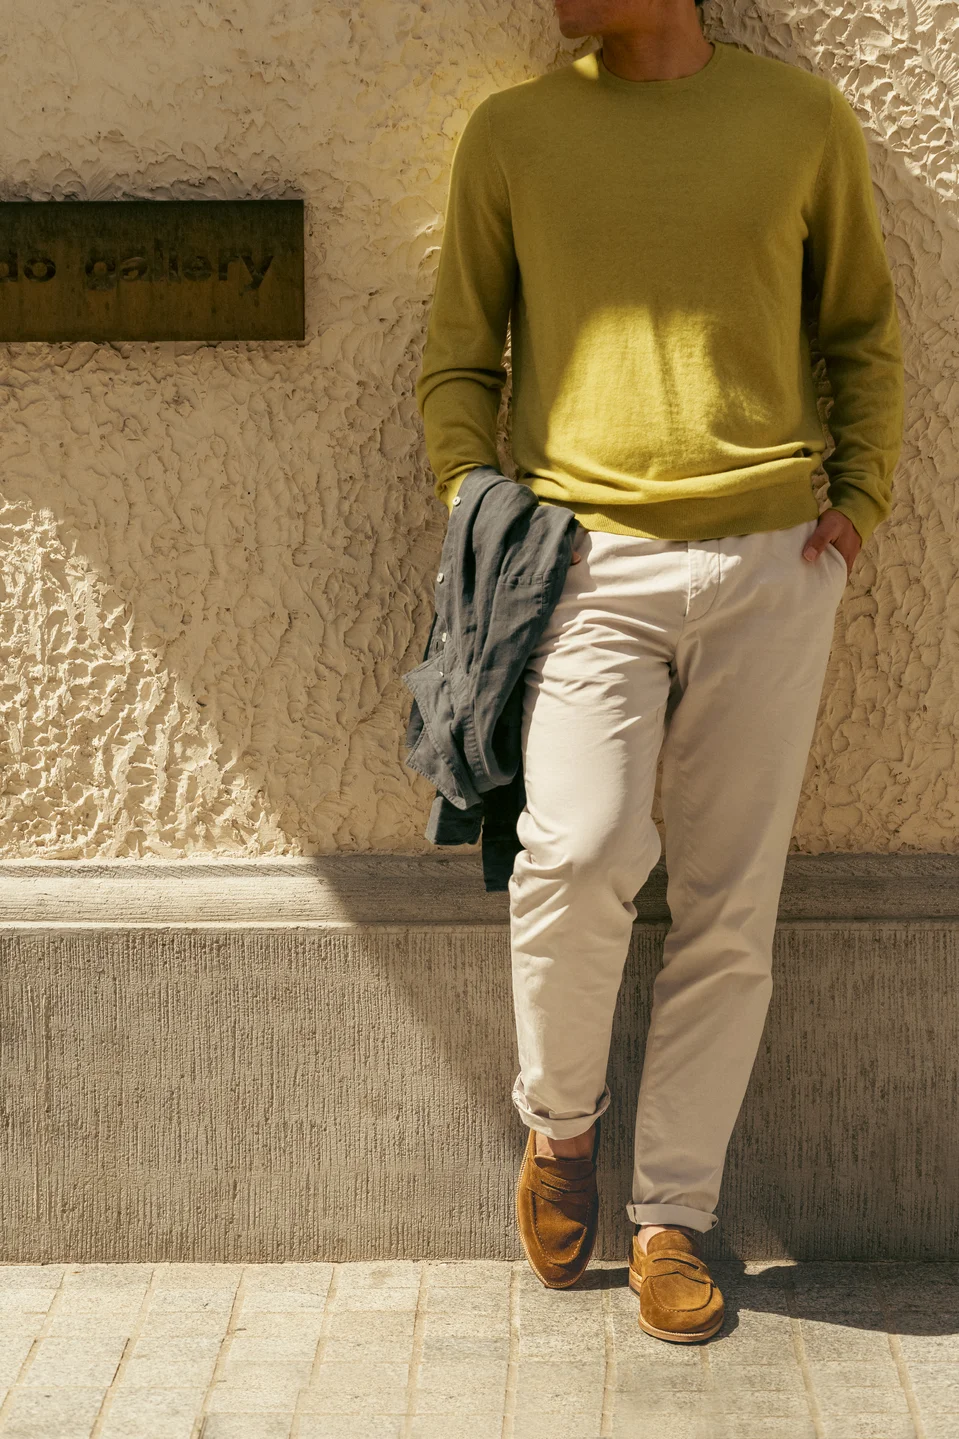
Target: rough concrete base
<point>313,1093</point>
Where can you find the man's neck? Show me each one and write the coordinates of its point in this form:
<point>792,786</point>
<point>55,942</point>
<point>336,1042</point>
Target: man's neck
<point>662,52</point>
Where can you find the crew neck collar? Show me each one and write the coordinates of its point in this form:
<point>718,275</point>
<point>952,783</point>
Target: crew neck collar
<point>680,83</point>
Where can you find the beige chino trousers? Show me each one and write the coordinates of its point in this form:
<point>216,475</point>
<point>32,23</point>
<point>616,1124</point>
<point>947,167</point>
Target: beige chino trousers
<point>714,651</point>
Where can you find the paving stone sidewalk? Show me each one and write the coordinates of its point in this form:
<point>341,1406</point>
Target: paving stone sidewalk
<point>450,1350</point>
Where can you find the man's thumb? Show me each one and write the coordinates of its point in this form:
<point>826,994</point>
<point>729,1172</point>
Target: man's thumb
<point>816,543</point>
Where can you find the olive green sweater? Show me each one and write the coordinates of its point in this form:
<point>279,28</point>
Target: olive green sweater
<point>655,248</point>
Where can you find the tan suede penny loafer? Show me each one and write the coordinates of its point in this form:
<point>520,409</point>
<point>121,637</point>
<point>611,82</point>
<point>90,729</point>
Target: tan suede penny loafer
<point>557,1210</point>
<point>677,1297</point>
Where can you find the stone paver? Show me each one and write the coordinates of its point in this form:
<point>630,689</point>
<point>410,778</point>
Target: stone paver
<point>475,1350</point>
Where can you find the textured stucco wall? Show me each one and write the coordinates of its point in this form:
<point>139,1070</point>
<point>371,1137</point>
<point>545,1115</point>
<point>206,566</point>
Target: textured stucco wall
<point>217,560</point>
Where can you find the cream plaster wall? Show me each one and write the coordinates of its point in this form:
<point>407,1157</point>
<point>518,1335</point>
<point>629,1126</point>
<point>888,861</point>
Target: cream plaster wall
<point>217,560</point>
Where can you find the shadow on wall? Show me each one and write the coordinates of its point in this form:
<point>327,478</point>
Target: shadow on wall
<point>847,1137</point>
<point>261,1071</point>
<point>221,673</point>
<point>841,1141</point>
<point>857,1033</point>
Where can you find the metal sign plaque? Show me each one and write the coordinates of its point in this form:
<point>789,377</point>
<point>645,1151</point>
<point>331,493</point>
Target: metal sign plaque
<point>151,270</point>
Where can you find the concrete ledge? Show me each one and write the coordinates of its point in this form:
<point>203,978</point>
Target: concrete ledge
<point>259,1068</point>
<point>419,890</point>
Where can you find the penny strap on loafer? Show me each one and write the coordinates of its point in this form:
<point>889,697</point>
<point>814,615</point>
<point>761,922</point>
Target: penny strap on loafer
<point>551,1182</point>
<point>687,1265</point>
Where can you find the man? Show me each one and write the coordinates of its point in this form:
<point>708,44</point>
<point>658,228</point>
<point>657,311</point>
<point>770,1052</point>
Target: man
<point>651,221</point>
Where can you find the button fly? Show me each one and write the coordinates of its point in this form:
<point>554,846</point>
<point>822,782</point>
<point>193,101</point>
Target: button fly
<point>704,576</point>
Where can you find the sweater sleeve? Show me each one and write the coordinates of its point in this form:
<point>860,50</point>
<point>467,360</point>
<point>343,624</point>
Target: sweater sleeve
<point>461,381</point>
<point>858,326</point>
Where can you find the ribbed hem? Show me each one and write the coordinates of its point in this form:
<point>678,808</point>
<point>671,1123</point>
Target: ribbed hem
<point>447,492</point>
<point>775,507</point>
<point>667,1214</point>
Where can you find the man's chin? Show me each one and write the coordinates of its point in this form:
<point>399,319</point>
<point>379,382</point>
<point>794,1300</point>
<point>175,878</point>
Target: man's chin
<point>571,31</point>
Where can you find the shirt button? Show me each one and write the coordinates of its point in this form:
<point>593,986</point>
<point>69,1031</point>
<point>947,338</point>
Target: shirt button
<point>439,577</point>
<point>457,500</point>
<point>445,637</point>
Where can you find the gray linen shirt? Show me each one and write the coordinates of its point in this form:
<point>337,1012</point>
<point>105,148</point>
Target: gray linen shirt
<point>502,569</point>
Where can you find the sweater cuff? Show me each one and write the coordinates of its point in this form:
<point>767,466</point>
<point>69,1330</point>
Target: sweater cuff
<point>448,492</point>
<point>858,506</point>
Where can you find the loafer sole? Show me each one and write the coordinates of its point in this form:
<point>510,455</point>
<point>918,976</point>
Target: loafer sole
<point>691,1336</point>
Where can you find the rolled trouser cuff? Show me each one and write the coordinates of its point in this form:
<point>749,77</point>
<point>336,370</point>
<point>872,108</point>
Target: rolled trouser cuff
<point>566,1127</point>
<point>672,1214</point>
